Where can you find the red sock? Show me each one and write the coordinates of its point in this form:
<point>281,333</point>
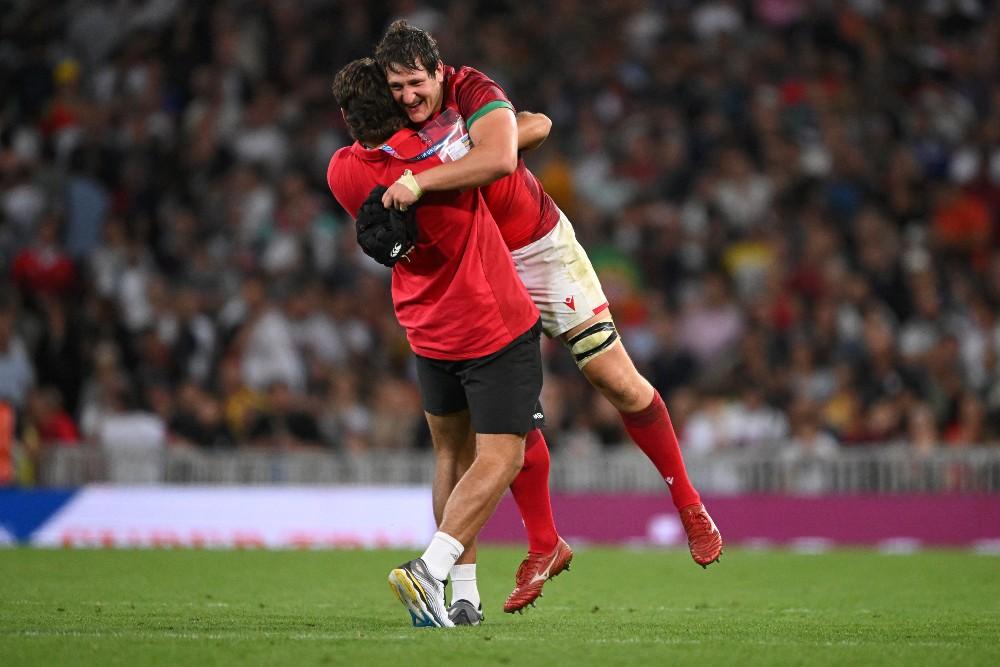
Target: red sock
<point>652,431</point>
<point>531,493</point>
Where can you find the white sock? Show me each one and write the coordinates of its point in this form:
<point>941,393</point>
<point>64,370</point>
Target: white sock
<point>441,554</point>
<point>463,584</point>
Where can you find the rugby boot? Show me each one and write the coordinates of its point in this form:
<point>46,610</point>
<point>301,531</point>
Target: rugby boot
<point>704,539</point>
<point>421,594</point>
<point>535,570</point>
<point>462,612</point>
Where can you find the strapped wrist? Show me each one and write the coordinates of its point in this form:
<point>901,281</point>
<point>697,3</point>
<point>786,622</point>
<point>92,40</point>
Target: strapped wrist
<point>409,181</point>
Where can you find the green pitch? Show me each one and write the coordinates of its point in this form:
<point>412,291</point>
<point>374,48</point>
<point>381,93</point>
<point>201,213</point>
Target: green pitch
<point>616,607</point>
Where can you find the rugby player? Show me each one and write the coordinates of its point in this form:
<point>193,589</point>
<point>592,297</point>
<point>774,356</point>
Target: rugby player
<point>469,320</point>
<point>470,122</point>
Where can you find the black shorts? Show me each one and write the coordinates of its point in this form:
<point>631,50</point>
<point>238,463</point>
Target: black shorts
<point>500,390</point>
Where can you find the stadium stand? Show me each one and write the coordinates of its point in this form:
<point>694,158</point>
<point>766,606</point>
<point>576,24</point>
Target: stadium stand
<point>794,208</point>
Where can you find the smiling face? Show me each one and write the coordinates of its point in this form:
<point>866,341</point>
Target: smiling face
<point>417,91</point>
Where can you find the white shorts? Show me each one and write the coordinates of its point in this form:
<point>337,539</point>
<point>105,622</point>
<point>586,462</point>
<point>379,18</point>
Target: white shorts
<point>560,279</point>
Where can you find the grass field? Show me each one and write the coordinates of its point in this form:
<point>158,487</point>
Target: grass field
<point>616,607</point>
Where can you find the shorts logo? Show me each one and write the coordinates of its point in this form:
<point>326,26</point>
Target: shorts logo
<point>538,415</point>
<point>395,249</point>
<point>571,302</point>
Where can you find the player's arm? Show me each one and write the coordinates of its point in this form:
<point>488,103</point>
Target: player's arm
<point>493,155</point>
<point>532,130</point>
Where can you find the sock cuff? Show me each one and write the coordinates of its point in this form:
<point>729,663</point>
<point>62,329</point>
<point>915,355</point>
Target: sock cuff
<point>654,412</point>
<point>536,453</point>
<point>441,555</point>
<point>450,540</point>
<point>533,438</point>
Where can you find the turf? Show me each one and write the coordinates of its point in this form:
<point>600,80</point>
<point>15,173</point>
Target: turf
<point>616,607</point>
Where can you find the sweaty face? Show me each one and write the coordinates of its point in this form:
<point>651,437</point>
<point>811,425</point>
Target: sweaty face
<point>417,91</point>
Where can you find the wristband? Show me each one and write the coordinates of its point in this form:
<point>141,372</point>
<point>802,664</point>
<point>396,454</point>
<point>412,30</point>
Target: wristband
<point>410,183</point>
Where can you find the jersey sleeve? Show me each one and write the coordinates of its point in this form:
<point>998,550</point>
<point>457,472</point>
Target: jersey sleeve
<point>477,95</point>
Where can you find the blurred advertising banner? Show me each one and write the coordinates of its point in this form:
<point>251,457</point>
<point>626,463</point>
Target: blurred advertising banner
<point>240,517</point>
<point>812,522</point>
<point>397,516</point>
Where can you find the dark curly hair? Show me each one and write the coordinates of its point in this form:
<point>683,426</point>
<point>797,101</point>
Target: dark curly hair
<point>404,46</point>
<point>362,92</point>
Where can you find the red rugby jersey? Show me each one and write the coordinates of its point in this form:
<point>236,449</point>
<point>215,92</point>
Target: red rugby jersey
<point>522,209</point>
<point>458,296</point>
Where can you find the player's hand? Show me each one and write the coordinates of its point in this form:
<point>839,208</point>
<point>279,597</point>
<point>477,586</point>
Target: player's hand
<point>402,194</point>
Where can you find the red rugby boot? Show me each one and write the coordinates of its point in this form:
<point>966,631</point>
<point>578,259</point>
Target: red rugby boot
<point>704,539</point>
<point>534,571</point>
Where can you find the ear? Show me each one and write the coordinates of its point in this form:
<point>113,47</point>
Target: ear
<point>439,71</point>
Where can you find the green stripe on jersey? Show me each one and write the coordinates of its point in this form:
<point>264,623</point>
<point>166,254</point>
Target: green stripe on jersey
<point>485,109</point>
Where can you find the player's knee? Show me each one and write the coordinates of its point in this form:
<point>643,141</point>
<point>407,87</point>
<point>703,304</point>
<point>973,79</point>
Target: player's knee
<point>516,463</point>
<point>505,454</point>
<point>512,462</point>
<point>623,387</point>
<point>592,342</point>
<point>513,459</point>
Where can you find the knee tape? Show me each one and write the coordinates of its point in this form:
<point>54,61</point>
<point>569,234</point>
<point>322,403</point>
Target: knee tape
<point>592,342</point>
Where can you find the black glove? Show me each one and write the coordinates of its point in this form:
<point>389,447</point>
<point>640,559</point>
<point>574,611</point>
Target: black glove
<point>386,235</point>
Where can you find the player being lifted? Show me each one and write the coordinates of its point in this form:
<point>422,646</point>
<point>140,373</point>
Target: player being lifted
<point>468,120</point>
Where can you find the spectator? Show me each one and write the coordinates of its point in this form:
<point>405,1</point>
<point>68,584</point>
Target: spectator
<point>345,420</point>
<point>765,213</point>
<point>240,404</point>
<point>17,375</point>
<point>44,268</point>
<point>59,355</point>
<point>809,447</point>
<point>265,338</point>
<point>198,420</point>
<point>282,425</point>
<point>968,427</point>
<point>711,322</point>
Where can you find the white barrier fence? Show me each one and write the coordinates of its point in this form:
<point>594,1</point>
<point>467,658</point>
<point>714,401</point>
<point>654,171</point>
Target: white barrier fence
<point>884,469</point>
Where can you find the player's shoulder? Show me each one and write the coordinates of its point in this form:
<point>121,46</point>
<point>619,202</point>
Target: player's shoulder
<point>337,161</point>
<point>466,74</point>
<point>344,153</point>
<point>344,176</point>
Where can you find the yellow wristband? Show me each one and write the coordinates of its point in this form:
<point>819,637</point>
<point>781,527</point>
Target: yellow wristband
<point>410,182</point>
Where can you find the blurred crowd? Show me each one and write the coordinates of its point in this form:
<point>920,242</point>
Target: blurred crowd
<point>793,207</point>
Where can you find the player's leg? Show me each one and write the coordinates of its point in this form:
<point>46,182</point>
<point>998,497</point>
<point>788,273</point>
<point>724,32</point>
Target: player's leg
<point>611,371</point>
<point>419,583</point>
<point>502,391</point>
<point>647,421</point>
<point>465,607</point>
<point>502,395</point>
<point>450,437</point>
<point>530,490</point>
<point>498,392</point>
<point>565,288</point>
<point>548,554</point>
<point>498,459</point>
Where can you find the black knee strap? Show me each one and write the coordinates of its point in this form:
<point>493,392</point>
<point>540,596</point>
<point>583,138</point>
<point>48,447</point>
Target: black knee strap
<point>604,329</point>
